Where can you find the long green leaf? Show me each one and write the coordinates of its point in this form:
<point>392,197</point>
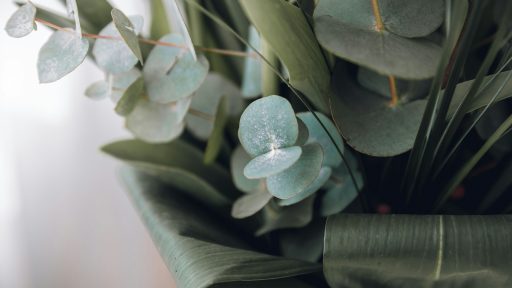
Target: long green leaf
<point>201,251</point>
<point>159,21</point>
<point>180,165</point>
<point>287,31</point>
<point>96,12</point>
<point>418,251</point>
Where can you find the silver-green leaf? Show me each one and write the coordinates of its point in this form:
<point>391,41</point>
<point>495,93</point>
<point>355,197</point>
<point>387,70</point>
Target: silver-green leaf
<point>21,23</point>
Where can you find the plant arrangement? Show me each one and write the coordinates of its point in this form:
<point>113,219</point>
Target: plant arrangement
<point>272,138</point>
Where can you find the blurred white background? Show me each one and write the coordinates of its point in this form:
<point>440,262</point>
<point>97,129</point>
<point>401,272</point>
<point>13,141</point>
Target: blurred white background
<point>65,220</point>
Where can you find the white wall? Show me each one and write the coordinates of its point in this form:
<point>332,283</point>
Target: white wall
<point>65,221</point>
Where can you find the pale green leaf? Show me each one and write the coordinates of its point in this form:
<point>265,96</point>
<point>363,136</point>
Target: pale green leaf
<point>272,162</point>
<point>299,176</point>
<point>171,73</point>
<point>239,159</point>
<point>268,123</point>
<point>127,31</point>
<point>341,191</point>
<point>205,101</point>
<point>295,216</point>
<point>251,82</point>
<point>98,90</point>
<point>121,82</point>
<point>130,98</point>
<point>216,138</point>
<point>21,23</point>
<point>321,179</point>
<point>250,204</point>
<point>318,135</point>
<point>288,32</point>
<point>60,55</point>
<point>113,55</point>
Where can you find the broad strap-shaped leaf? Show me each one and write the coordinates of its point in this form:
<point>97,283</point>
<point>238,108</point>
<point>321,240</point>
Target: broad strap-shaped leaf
<point>179,165</point>
<point>367,250</point>
<point>288,32</point>
<point>240,158</point>
<point>114,55</point>
<point>252,82</point>
<point>199,249</point>
<point>201,117</point>
<point>60,55</point>
<point>318,135</point>
<point>484,96</point>
<point>171,73</point>
<point>407,18</point>
<point>98,90</point>
<point>130,98</point>
<point>369,124</point>
<point>215,141</point>
<point>249,204</point>
<point>127,30</point>
<point>299,176</point>
<point>266,124</point>
<point>21,23</point>
<point>384,52</point>
<point>157,123</point>
<point>272,162</point>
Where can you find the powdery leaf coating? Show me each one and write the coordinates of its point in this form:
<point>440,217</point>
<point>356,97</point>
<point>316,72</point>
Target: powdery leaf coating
<point>321,179</point>
<point>268,123</point>
<point>299,176</point>
<point>318,135</point>
<point>21,23</point>
<point>121,82</point>
<point>171,73</point>
<point>250,204</point>
<point>113,55</point>
<point>155,122</point>
<point>251,82</point>
<point>126,29</point>
<point>60,55</point>
<point>272,162</point>
<point>98,90</point>
<point>239,159</point>
<point>205,103</point>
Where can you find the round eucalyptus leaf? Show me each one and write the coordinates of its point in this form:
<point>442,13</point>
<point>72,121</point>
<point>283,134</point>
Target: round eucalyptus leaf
<point>384,52</point>
<point>21,23</point>
<point>408,90</point>
<point>321,179</point>
<point>299,176</point>
<point>279,217</point>
<point>250,204</point>
<point>155,122</point>
<point>60,55</point>
<point>113,55</point>
<point>272,162</point>
<point>172,73</point>
<point>98,90</point>
<point>205,103</point>
<point>369,124</point>
<point>121,82</point>
<point>266,124</point>
<point>251,82</point>
<point>318,135</point>
<point>239,159</point>
<point>407,18</point>
<point>303,133</point>
<point>341,193</point>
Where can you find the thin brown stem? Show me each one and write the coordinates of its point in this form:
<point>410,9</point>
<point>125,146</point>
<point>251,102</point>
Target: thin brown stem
<point>392,89</point>
<point>201,114</point>
<point>152,42</point>
<point>379,25</point>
